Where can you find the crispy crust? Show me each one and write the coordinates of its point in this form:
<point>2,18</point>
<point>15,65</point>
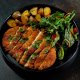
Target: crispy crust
<point>41,58</point>
<point>16,38</point>
<point>26,45</point>
<point>30,63</point>
<point>49,60</point>
<point>27,33</point>
<point>31,49</point>
<point>10,32</point>
<point>24,57</point>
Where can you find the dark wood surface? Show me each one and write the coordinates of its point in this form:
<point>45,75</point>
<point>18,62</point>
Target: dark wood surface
<point>9,6</point>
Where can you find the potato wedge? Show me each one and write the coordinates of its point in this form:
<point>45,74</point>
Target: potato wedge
<point>18,22</point>
<point>47,11</point>
<point>16,14</point>
<point>31,18</point>
<point>11,23</point>
<point>38,17</point>
<point>24,19</point>
<point>41,11</point>
<point>34,10</point>
<point>26,13</point>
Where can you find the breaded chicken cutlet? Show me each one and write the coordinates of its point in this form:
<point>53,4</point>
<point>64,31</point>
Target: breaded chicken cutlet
<point>26,42</point>
<point>31,49</point>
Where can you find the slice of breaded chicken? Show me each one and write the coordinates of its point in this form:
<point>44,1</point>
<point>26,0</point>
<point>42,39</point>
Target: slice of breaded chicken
<point>16,38</point>
<point>24,38</point>
<point>26,45</point>
<point>31,61</point>
<point>42,46</point>
<point>49,60</point>
<point>8,36</point>
<point>32,48</point>
<point>31,39</point>
<point>41,57</point>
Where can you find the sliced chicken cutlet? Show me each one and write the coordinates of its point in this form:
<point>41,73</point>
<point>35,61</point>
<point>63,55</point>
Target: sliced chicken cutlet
<point>32,48</point>
<point>41,57</point>
<point>31,60</point>
<point>49,60</point>
<point>8,36</point>
<point>16,38</point>
<point>24,38</point>
<point>20,52</point>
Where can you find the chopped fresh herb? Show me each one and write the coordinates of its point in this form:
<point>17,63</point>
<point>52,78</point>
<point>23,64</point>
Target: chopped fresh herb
<point>36,44</point>
<point>46,51</point>
<point>16,55</point>
<point>25,60</point>
<point>21,29</point>
<point>22,40</point>
<point>16,38</point>
<point>10,38</point>
<point>33,56</point>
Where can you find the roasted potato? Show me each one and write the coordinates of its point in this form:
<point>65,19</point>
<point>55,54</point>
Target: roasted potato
<point>41,11</point>
<point>47,11</point>
<point>31,18</point>
<point>25,13</point>
<point>24,19</point>
<point>11,23</point>
<point>18,22</point>
<point>16,15</point>
<point>38,17</point>
<point>34,10</point>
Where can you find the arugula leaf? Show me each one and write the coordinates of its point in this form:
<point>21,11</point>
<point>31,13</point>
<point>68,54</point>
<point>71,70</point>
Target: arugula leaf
<point>69,17</point>
<point>33,23</point>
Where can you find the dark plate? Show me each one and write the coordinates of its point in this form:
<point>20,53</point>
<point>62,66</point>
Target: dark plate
<point>67,61</point>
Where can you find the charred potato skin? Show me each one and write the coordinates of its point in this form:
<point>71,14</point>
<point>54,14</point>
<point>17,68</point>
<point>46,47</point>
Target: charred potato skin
<point>16,15</point>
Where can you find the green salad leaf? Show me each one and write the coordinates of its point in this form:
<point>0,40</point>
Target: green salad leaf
<point>61,53</point>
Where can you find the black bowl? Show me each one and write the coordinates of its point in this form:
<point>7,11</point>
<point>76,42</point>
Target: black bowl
<point>59,66</point>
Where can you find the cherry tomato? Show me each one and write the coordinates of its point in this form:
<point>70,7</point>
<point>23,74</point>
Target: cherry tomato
<point>53,36</point>
<point>75,30</point>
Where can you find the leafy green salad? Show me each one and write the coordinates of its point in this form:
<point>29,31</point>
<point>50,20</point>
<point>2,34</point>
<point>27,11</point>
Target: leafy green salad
<point>59,29</point>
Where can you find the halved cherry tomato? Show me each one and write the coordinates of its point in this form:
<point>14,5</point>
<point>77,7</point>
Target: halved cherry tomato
<point>75,30</point>
<point>54,36</point>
